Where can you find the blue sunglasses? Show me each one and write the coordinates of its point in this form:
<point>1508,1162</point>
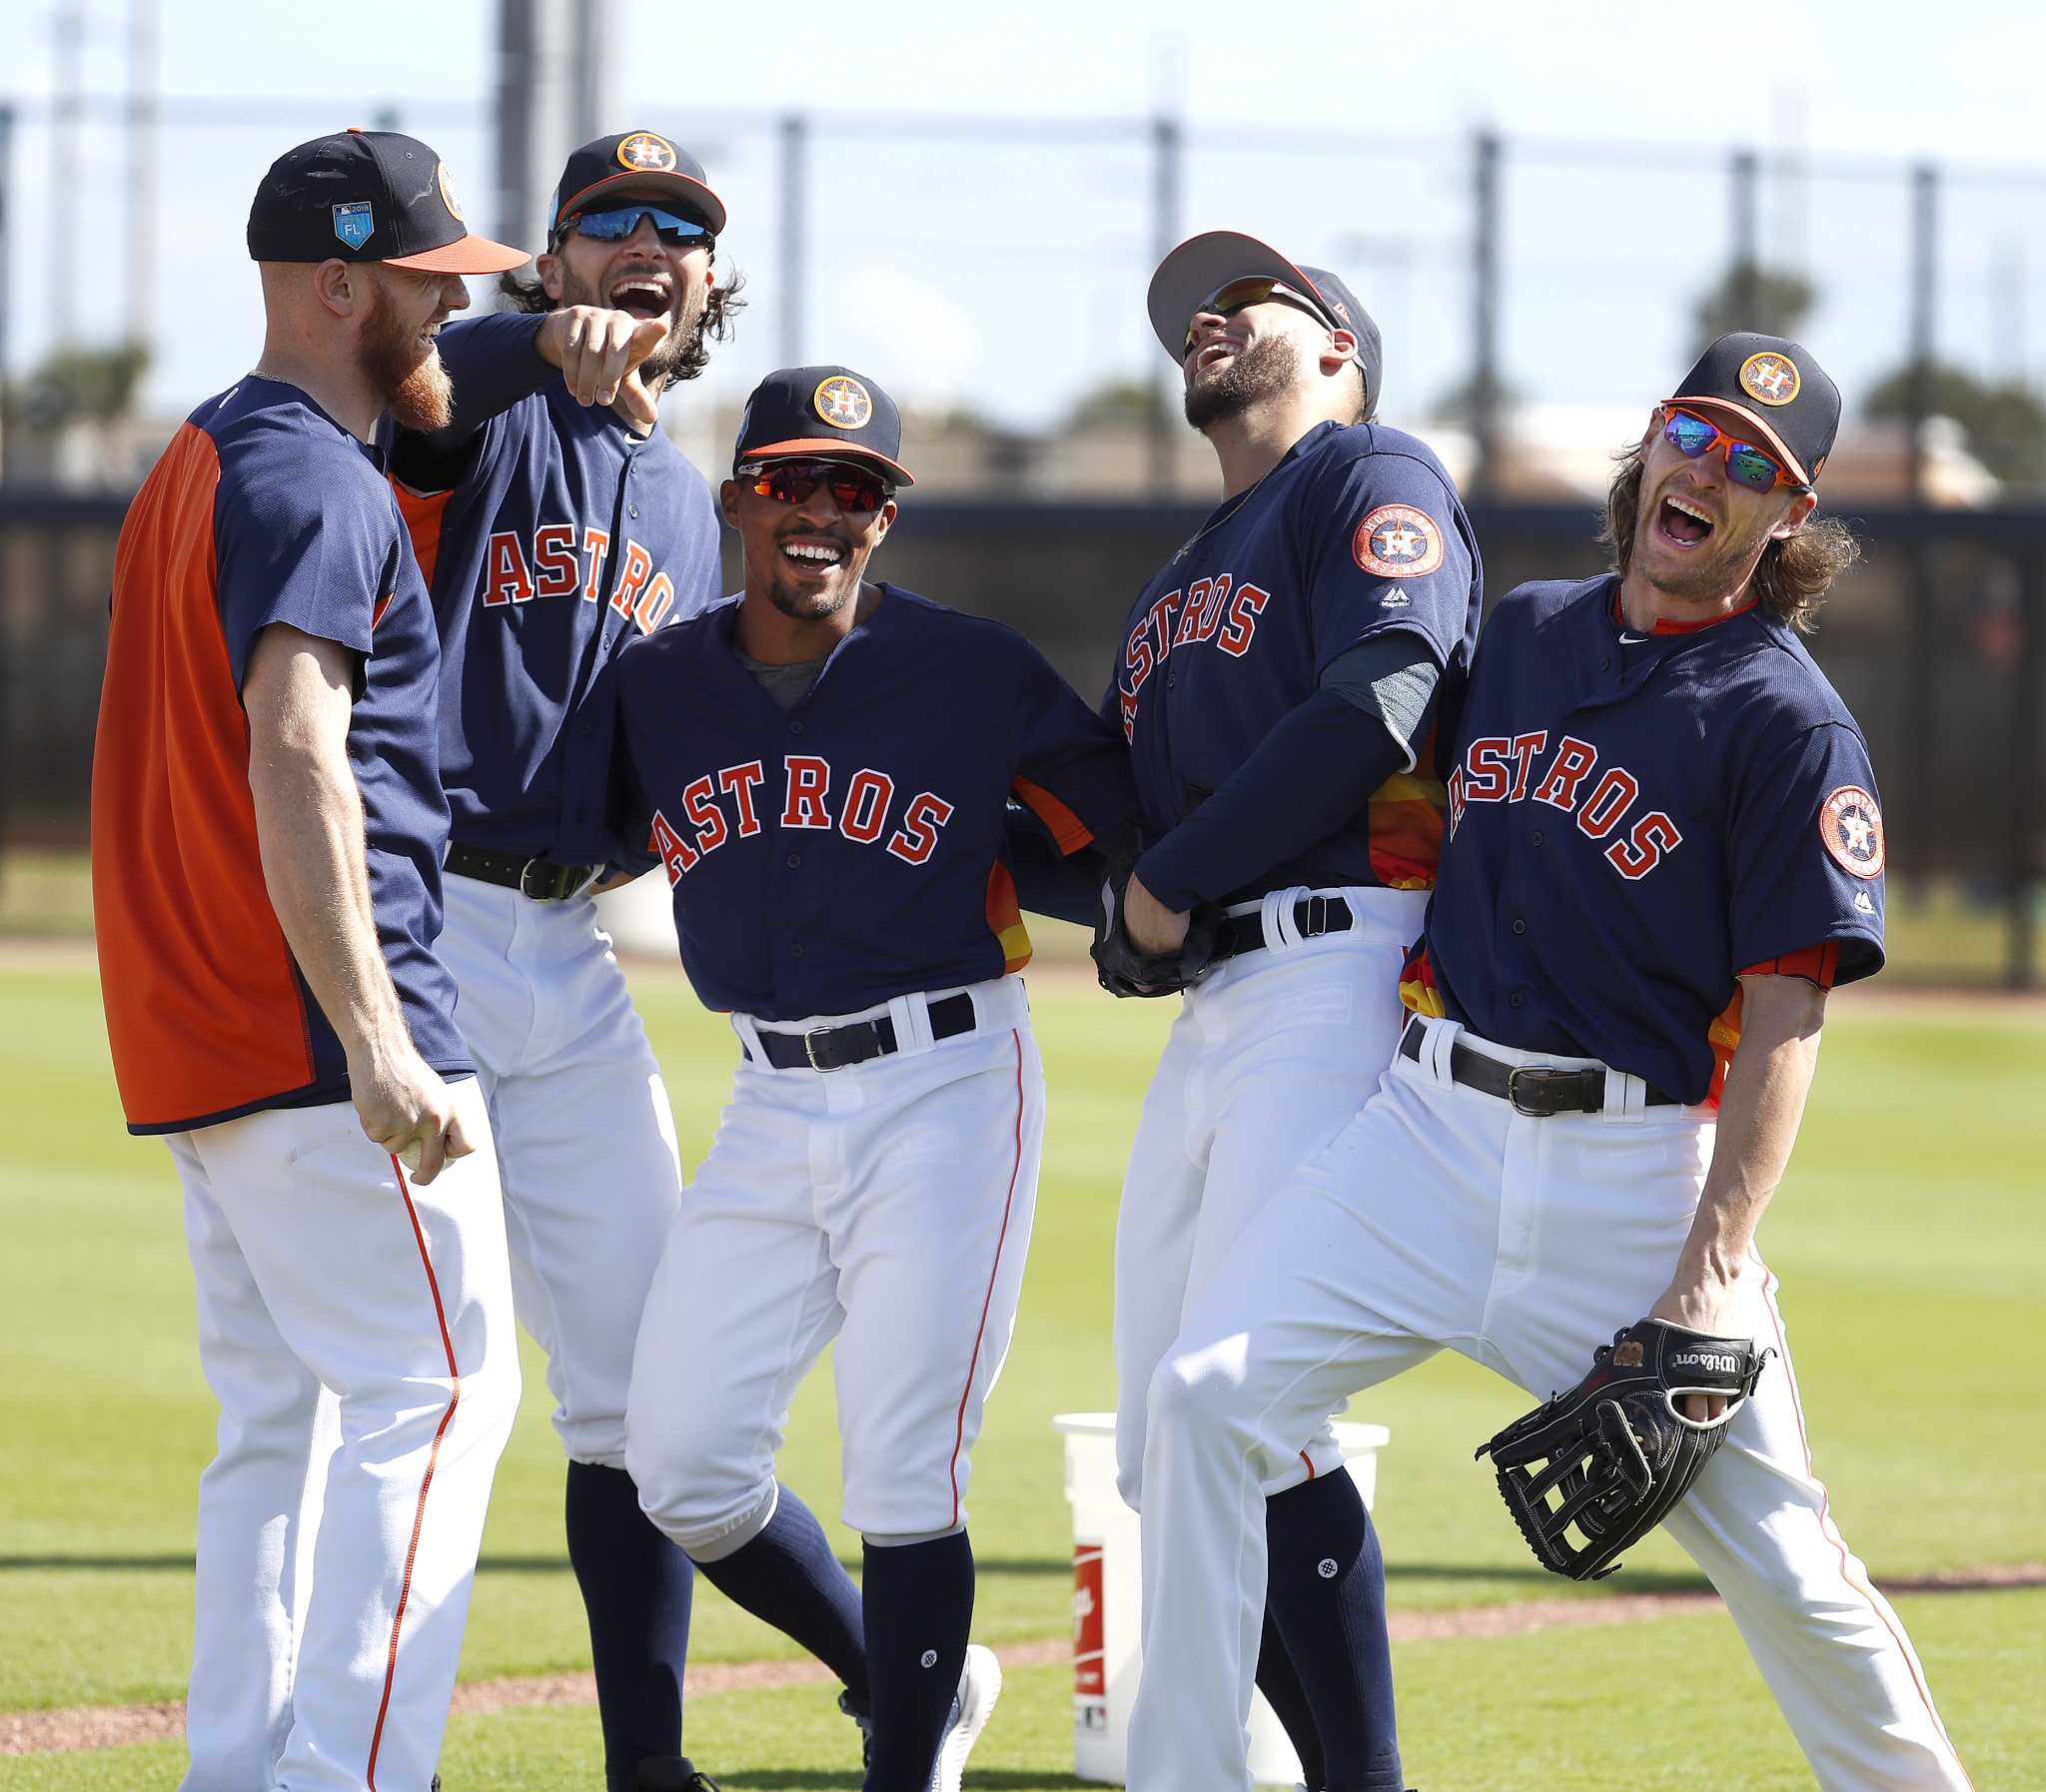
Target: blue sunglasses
<point>618,223</point>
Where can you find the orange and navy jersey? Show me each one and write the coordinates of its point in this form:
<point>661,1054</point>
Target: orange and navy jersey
<point>1636,821</point>
<point>830,857</point>
<point>262,511</point>
<point>1356,533</point>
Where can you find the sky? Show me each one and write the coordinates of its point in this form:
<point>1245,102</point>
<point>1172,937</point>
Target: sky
<point>997,266</point>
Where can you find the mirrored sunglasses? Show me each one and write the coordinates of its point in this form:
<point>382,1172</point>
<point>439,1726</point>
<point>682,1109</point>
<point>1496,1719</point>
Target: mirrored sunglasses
<point>1692,436</point>
<point>620,222</point>
<point>794,482</point>
<point>1231,298</point>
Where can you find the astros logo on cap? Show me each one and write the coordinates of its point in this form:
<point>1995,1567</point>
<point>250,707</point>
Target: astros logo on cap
<point>843,402</point>
<point>447,192</point>
<point>643,151</point>
<point>1770,377</point>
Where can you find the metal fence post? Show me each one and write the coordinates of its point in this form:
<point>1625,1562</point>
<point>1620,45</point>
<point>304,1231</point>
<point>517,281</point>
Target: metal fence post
<point>1166,151</point>
<point>1921,704</point>
<point>1484,392</point>
<point>1746,282</point>
<point>795,131</point>
<point>2027,808</point>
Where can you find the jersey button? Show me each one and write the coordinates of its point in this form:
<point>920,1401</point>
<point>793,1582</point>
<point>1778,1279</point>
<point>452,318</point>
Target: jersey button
<point>1518,999</point>
<point>631,509</point>
<point>796,951</point>
<point>795,727</point>
<point>793,861</point>
<point>1519,927</point>
<point>1606,663</point>
<point>1536,837</point>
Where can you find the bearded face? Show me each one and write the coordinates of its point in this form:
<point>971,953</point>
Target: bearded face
<point>397,354</point>
<point>1264,368</point>
<point>643,277</point>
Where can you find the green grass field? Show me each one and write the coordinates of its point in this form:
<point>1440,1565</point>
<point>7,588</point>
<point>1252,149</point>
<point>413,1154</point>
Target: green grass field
<point>1908,1239</point>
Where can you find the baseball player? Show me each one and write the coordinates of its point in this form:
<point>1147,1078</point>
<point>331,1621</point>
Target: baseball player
<point>267,836</point>
<point>833,824</point>
<point>554,523</point>
<point>1667,848</point>
<point>1278,683</point>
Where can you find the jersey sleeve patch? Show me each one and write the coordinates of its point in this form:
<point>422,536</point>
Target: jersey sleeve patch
<point>1850,824</point>
<point>1397,541</point>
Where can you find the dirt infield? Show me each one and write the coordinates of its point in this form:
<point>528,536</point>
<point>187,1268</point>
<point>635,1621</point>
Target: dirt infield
<point>116,1726</point>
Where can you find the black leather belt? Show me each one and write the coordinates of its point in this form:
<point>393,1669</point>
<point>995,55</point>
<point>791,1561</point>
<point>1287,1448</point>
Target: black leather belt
<point>834,1047</point>
<point>1538,1091</point>
<point>541,880</point>
<point>1313,916</point>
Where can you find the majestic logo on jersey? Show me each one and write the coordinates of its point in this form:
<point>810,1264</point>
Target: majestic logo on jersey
<point>447,198</point>
<point>1501,769</point>
<point>1770,378</point>
<point>1397,541</point>
<point>1204,611</point>
<point>843,402</point>
<point>558,565</point>
<point>1851,826</point>
<point>355,224</point>
<point>643,151</point>
<point>722,805</point>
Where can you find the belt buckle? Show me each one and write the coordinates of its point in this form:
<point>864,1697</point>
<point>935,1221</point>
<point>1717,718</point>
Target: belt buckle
<point>1540,1075</point>
<point>525,889</point>
<point>810,1048</point>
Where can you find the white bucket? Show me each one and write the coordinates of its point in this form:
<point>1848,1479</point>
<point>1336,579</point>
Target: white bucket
<point>1108,1579</point>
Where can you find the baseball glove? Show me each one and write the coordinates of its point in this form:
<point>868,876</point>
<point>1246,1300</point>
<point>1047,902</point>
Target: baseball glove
<point>1616,1450</point>
<point>1123,970</point>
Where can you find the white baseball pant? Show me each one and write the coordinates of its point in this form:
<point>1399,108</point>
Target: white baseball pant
<point>1270,1057</point>
<point>1441,1217</point>
<point>357,1334</point>
<point>887,1205</point>
<point>586,1139</point>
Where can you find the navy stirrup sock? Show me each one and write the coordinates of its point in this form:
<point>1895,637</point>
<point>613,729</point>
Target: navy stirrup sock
<point>1279,1681</point>
<point>636,1588</point>
<point>788,1577</point>
<point>919,1613</point>
<point>1327,1594</point>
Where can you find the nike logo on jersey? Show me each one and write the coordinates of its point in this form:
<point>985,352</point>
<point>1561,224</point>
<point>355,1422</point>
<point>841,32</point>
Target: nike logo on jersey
<point>1501,769</point>
<point>1204,611</point>
<point>1631,640</point>
<point>560,566</point>
<point>724,805</point>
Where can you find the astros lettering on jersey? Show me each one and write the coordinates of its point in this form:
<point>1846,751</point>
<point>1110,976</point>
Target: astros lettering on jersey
<point>1357,532</point>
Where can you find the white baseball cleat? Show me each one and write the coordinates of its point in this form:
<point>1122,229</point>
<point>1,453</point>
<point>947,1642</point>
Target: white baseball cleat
<point>980,1685</point>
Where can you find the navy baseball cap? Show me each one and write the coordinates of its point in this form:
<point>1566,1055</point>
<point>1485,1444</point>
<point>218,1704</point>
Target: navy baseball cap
<point>821,412</point>
<point>633,165</point>
<point>1202,266</point>
<point>368,196</point>
<point>1774,387</point>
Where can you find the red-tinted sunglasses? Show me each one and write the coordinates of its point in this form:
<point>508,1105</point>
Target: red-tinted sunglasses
<point>794,482</point>
<point>1755,468</point>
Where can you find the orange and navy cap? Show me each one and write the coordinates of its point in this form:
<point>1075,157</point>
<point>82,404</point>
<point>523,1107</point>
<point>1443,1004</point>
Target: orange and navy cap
<point>633,165</point>
<point>825,413</point>
<point>368,196</point>
<point>1202,266</point>
<point>1774,390</point>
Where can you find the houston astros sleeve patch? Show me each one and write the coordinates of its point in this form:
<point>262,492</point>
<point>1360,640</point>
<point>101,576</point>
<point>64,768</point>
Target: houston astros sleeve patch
<point>1397,541</point>
<point>1850,824</point>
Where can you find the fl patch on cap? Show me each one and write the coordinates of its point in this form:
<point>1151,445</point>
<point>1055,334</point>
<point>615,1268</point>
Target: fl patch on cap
<point>822,413</point>
<point>633,165</point>
<point>368,196</point>
<point>1774,387</point>
<point>1202,266</point>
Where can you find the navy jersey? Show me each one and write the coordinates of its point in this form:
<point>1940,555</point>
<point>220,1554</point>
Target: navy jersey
<point>1635,821</point>
<point>832,856</point>
<point>1354,532</point>
<point>262,511</point>
<point>568,536</point>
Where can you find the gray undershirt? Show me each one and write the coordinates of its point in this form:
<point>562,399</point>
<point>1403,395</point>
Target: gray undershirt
<point>787,685</point>
<point>1392,676</point>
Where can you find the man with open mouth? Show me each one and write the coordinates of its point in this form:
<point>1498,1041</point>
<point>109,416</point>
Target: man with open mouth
<point>555,521</point>
<point>1665,850</point>
<point>824,766</point>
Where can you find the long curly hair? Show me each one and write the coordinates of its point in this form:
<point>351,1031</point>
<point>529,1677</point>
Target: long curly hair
<point>713,325</point>
<point>1791,578</point>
